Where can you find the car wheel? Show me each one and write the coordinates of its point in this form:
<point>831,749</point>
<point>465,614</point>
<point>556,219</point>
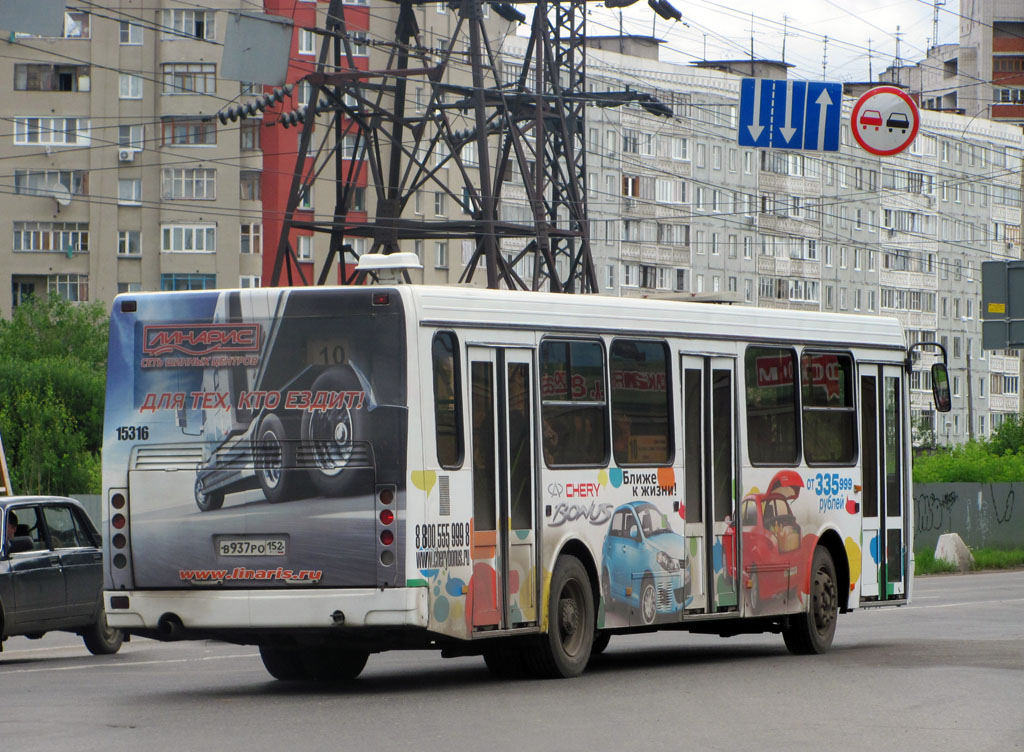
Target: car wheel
<point>332,434</point>
<point>812,631</point>
<point>565,649</point>
<point>101,638</point>
<point>207,502</point>
<point>648,601</point>
<point>275,460</point>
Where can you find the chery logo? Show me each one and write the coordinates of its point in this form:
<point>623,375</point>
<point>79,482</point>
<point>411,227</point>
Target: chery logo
<point>200,339</point>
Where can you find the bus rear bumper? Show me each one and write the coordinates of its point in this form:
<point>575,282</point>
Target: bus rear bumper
<point>233,609</point>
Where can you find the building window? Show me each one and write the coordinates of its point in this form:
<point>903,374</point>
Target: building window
<point>51,131</point>
<point>188,184</point>
<point>185,22</point>
<point>72,287</point>
<point>129,86</point>
<point>304,247</point>
<point>59,237</point>
<point>129,191</point>
<point>188,281</point>
<point>129,243</point>
<point>43,182</point>
<point>249,135</point>
<point>189,78</point>
<point>441,255</point>
<point>188,131</point>
<point>249,281</point>
<point>188,238</point>
<point>252,238</point>
<point>439,203</point>
<point>249,185</point>
<point>45,77</point>
<point>307,42</point>
<point>130,33</point>
<point>131,136</point>
<point>123,287</point>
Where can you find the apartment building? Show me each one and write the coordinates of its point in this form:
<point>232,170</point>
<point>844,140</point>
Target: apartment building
<point>116,176</point>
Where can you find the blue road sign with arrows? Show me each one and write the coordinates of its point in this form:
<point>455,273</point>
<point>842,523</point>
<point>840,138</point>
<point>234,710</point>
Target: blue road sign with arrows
<point>781,114</point>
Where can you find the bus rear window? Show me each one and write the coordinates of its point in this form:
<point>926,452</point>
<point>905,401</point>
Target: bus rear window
<point>641,411</point>
<point>772,435</point>
<point>830,422</point>
<point>573,403</point>
<point>447,406</point>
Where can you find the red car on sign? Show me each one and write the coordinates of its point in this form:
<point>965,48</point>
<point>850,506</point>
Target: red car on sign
<point>871,117</point>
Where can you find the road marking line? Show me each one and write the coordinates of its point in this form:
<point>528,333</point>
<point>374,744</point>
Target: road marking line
<point>126,665</point>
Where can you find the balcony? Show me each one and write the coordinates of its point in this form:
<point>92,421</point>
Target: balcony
<point>1004,403</point>
<point>770,181</point>
<point>908,280</point>
<point>773,223</point>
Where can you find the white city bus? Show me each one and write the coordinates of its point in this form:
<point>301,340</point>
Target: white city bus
<point>333,472</point>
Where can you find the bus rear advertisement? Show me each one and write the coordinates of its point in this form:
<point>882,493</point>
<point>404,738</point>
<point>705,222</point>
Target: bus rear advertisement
<point>329,473</point>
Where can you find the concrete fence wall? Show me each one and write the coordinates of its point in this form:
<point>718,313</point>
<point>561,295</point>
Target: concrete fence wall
<point>983,514</point>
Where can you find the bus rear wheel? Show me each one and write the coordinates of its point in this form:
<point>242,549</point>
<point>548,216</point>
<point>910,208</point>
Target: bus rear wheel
<point>565,650</point>
<point>812,632</point>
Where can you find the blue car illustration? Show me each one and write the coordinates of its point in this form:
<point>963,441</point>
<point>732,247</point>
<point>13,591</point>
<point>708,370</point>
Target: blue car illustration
<point>644,566</point>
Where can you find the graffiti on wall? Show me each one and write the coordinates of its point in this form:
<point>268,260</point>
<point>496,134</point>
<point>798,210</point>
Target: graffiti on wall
<point>983,514</point>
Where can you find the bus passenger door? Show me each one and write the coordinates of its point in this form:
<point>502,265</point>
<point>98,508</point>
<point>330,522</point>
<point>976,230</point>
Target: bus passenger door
<point>883,537</point>
<point>503,590</point>
<point>708,404</point>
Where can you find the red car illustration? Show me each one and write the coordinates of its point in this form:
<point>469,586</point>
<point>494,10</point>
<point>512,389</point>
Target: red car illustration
<point>871,117</point>
<point>772,541</point>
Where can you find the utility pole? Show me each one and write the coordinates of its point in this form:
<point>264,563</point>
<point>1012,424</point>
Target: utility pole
<point>824,60</point>
<point>970,386</point>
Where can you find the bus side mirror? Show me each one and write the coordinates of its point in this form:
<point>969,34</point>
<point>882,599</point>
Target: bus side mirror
<point>940,388</point>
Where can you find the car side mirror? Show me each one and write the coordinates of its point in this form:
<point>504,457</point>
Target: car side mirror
<point>940,388</point>
<point>634,532</point>
<point>19,544</point>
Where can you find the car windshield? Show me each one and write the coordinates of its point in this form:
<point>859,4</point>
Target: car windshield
<point>652,521</point>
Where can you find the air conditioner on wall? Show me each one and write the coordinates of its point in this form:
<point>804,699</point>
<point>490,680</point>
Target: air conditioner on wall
<point>125,155</point>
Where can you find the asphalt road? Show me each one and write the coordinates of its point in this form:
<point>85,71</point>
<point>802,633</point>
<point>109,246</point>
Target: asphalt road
<point>944,674</point>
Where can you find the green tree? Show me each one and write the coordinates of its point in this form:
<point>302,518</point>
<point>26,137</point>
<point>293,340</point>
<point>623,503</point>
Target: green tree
<point>52,382</point>
<point>1008,438</point>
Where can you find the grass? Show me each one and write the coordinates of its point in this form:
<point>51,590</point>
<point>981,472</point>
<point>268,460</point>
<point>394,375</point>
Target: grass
<point>984,558</point>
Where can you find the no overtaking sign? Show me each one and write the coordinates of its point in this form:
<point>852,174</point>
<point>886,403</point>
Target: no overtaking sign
<point>885,121</point>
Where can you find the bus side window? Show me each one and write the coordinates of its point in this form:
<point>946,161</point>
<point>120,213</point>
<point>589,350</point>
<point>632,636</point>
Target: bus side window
<point>573,403</point>
<point>447,403</point>
<point>772,433</point>
<point>641,410</point>
<point>830,419</point>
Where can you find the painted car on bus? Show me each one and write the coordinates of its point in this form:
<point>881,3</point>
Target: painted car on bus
<point>644,568</point>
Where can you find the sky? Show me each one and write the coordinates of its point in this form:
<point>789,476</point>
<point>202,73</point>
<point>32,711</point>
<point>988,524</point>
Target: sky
<point>721,29</point>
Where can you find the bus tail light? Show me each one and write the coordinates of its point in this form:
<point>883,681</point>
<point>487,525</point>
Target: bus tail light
<point>387,534</point>
<point>119,537</point>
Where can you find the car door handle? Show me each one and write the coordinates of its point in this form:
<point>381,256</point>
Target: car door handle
<point>98,556</point>
<point>55,561</point>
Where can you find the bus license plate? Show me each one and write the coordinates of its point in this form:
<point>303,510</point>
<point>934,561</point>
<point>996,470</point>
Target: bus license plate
<point>251,547</point>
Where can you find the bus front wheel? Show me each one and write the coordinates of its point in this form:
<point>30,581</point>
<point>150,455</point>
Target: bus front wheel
<point>811,632</point>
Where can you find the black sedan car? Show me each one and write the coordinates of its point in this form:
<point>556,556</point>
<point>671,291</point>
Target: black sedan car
<point>51,572</point>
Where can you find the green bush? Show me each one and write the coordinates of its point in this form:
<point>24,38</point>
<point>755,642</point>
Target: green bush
<point>973,462</point>
<point>52,385</point>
